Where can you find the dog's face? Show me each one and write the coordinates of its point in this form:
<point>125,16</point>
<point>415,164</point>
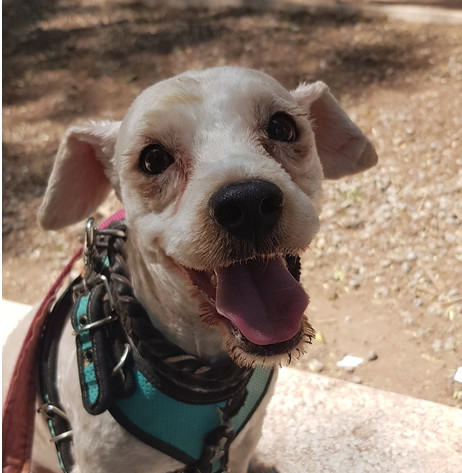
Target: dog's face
<point>220,175</point>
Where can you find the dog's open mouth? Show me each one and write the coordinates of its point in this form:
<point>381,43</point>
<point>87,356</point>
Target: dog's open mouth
<point>259,297</point>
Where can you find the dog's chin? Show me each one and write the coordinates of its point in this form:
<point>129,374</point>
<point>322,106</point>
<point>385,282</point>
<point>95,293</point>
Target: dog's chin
<point>245,353</point>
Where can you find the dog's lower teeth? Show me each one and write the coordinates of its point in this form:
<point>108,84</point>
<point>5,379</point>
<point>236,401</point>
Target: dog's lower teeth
<point>213,280</point>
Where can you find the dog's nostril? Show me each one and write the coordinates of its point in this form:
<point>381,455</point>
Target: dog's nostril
<point>249,209</point>
<point>229,214</point>
<point>271,205</point>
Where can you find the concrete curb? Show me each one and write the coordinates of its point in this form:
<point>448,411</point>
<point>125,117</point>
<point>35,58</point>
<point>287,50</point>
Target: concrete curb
<point>317,424</point>
<point>12,313</point>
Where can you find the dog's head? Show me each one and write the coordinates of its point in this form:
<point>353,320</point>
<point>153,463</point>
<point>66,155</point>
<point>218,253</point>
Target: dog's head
<point>220,175</point>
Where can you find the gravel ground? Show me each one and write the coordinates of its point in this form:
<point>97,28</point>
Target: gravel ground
<point>385,274</point>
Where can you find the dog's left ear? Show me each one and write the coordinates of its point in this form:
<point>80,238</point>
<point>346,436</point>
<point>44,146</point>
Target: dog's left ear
<point>81,176</point>
<point>342,147</point>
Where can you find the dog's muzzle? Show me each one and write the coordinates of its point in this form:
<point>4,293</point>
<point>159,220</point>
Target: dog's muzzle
<point>255,292</point>
<point>248,210</point>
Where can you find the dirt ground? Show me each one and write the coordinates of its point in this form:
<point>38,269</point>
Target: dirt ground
<point>385,273</point>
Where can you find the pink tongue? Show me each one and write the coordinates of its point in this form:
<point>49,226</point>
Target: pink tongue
<point>262,300</point>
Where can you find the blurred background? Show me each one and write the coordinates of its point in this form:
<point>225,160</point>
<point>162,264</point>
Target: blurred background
<point>385,272</point>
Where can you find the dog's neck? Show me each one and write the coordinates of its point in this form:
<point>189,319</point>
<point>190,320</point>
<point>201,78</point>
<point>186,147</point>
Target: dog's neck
<point>161,288</point>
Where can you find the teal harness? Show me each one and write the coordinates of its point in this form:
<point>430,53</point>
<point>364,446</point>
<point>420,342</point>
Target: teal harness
<point>176,428</point>
<point>179,429</point>
<point>163,396</point>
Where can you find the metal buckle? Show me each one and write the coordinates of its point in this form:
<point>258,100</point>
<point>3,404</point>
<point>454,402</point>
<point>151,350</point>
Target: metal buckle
<point>65,435</point>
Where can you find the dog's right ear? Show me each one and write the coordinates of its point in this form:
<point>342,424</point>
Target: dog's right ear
<point>342,147</point>
<point>81,176</point>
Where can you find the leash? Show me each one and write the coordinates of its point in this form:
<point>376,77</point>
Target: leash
<point>19,405</point>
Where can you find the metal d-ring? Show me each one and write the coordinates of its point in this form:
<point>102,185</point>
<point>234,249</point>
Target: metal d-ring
<point>118,367</point>
<point>90,229</point>
<point>63,436</point>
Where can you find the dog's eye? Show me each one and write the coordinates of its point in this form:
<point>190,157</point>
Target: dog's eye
<point>281,127</point>
<point>154,159</point>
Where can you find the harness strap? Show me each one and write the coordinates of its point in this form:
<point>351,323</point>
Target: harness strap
<point>20,402</point>
<point>100,343</point>
<point>57,420</point>
<point>190,433</point>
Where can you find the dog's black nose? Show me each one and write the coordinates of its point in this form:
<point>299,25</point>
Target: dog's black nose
<point>248,210</point>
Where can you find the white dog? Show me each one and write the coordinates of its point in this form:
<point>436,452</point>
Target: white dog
<point>219,172</point>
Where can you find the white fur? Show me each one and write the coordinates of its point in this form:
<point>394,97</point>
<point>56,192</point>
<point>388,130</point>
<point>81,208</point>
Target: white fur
<point>211,121</point>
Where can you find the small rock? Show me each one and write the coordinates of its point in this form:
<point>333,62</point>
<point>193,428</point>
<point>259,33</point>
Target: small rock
<point>356,380</point>
<point>420,333</point>
<point>405,267</point>
<point>450,237</point>
<point>407,317</point>
<point>355,283</point>
<point>437,345</point>
<point>350,362</point>
<point>409,130</point>
<point>435,310</point>
<point>417,302</point>
<point>331,292</point>
<point>381,291</point>
<point>458,375</point>
<point>449,344</point>
<point>411,255</point>
<point>371,355</point>
<point>315,365</point>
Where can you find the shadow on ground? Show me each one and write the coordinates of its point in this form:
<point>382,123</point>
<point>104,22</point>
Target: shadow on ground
<point>69,60</point>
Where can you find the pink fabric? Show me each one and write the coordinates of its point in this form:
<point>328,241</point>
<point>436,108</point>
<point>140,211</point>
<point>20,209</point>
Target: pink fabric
<point>19,406</point>
<point>119,215</point>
